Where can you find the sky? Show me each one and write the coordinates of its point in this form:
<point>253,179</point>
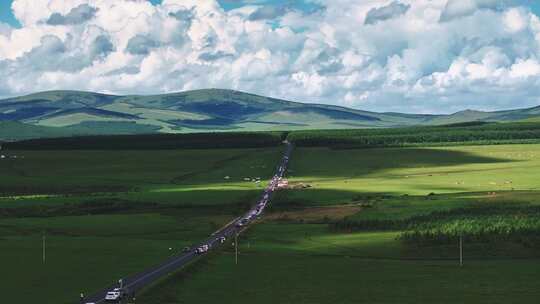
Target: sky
<point>413,56</point>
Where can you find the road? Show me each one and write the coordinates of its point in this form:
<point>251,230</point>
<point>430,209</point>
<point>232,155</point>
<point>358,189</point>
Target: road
<point>135,283</point>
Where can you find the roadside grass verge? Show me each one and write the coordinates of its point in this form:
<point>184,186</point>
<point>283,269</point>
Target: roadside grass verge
<point>86,253</point>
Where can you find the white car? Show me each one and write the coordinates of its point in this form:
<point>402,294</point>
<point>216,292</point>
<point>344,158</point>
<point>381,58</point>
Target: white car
<point>114,295</point>
<point>202,249</point>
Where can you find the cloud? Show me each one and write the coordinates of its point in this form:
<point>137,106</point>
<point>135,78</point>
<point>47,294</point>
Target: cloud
<point>77,15</point>
<point>400,55</point>
<point>5,29</point>
<point>102,46</point>
<point>129,70</point>
<point>184,15</point>
<point>141,45</point>
<point>462,8</point>
<point>267,12</point>
<point>55,55</point>
<point>390,11</point>
<point>214,56</point>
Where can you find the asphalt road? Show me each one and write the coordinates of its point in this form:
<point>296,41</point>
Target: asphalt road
<point>134,283</point>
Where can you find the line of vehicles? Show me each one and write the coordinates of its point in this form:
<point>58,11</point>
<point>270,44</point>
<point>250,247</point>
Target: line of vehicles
<point>258,209</point>
<point>118,294</point>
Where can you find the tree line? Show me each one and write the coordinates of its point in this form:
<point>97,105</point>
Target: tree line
<point>492,133</point>
<point>154,141</point>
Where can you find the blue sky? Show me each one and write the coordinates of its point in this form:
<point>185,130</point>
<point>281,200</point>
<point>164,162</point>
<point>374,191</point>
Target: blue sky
<point>6,15</point>
<point>415,56</point>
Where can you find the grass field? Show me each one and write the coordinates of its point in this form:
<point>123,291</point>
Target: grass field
<point>328,269</point>
<point>86,253</point>
<point>340,175</point>
<point>167,176</point>
<point>295,256</point>
<point>108,214</point>
<point>334,237</point>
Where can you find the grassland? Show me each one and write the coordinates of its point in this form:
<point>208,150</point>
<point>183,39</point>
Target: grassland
<point>347,176</point>
<point>86,253</point>
<point>343,269</point>
<point>301,254</point>
<point>167,176</point>
<point>338,235</point>
<point>108,214</point>
<point>87,113</point>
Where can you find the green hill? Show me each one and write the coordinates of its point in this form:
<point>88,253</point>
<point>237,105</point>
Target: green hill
<point>60,113</point>
<point>13,130</point>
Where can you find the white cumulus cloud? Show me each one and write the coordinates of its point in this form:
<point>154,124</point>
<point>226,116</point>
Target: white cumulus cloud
<point>386,55</point>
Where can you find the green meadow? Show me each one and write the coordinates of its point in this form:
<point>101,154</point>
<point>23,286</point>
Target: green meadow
<point>109,214</point>
<point>337,235</point>
<point>341,175</point>
<point>352,223</point>
<point>303,263</point>
<point>178,177</point>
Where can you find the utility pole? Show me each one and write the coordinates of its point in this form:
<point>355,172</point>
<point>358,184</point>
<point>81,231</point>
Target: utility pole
<point>43,241</point>
<point>460,251</point>
<point>236,248</point>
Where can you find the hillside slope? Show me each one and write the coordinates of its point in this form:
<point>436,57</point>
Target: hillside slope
<point>74,113</point>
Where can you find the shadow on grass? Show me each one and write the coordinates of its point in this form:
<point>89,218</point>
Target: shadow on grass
<point>210,201</point>
<point>321,162</point>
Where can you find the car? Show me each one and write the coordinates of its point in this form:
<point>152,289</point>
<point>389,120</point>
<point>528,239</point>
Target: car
<point>242,222</point>
<point>222,239</point>
<point>202,249</point>
<point>114,295</point>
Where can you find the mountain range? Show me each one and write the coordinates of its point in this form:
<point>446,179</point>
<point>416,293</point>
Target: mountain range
<point>68,113</point>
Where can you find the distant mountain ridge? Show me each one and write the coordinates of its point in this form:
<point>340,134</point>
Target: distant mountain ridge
<point>63,113</point>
